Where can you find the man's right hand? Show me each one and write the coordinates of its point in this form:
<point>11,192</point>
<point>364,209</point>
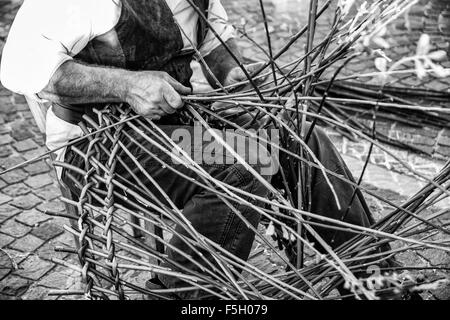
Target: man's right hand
<point>153,94</point>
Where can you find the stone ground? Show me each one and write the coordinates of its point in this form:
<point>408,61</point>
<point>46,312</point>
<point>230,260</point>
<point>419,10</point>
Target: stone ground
<point>28,236</point>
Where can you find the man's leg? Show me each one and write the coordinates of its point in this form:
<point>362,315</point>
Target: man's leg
<point>353,209</point>
<point>208,214</point>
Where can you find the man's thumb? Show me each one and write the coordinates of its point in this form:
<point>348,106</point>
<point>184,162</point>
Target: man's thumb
<point>254,67</point>
<point>239,74</point>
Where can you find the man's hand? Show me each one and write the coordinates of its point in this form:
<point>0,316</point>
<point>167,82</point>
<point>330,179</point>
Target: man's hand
<point>153,94</point>
<point>237,75</point>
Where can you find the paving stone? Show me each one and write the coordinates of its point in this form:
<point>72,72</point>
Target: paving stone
<point>9,162</point>
<point>37,168</point>
<point>7,212</point>
<point>26,202</point>
<point>33,268</point>
<point>39,181</point>
<point>5,139</point>
<point>442,293</point>
<point>47,251</point>
<point>48,193</point>
<point>4,272</point>
<point>5,129</point>
<point>32,218</point>
<point>436,257</point>
<point>14,176</point>
<point>21,132</point>
<point>2,184</point>
<point>47,231</point>
<point>4,198</point>
<point>66,239</point>
<point>25,145</point>
<point>40,139</point>
<point>37,293</point>
<point>32,154</point>
<point>5,151</point>
<point>14,286</point>
<point>7,297</point>
<point>16,190</point>
<point>16,256</point>
<point>14,228</point>
<point>61,278</point>
<point>410,258</point>
<point>444,141</point>
<point>52,206</point>
<point>6,102</point>
<point>5,240</point>
<point>18,98</point>
<point>28,243</point>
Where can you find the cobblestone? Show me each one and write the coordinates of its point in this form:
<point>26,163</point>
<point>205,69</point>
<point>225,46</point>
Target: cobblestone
<point>4,199</point>
<point>17,256</point>
<point>9,162</point>
<point>52,206</point>
<point>5,240</point>
<point>7,211</point>
<point>25,145</point>
<point>62,278</point>
<point>16,190</point>
<point>14,176</point>
<point>21,132</point>
<point>14,286</point>
<point>5,139</point>
<point>48,193</point>
<point>29,243</point>
<point>48,231</point>
<point>47,251</point>
<point>39,181</point>
<point>37,293</point>
<point>37,168</point>
<point>26,202</point>
<point>436,257</point>
<point>32,218</point>
<point>33,268</point>
<point>14,228</point>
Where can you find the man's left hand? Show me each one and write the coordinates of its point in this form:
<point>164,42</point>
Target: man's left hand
<point>235,76</point>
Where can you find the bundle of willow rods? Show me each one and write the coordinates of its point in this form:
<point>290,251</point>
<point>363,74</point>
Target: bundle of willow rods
<point>109,255</point>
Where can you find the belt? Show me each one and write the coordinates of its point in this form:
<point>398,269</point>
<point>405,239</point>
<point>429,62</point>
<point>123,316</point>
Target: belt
<point>72,114</point>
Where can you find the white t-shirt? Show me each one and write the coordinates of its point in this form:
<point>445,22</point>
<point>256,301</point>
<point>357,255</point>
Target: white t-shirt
<point>47,33</point>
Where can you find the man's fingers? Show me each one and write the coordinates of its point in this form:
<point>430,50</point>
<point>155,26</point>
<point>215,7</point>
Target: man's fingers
<point>172,99</point>
<point>178,86</point>
<point>254,67</point>
<point>238,75</point>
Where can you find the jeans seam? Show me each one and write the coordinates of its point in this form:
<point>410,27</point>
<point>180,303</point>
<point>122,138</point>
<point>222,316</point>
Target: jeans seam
<point>231,215</point>
<point>241,223</point>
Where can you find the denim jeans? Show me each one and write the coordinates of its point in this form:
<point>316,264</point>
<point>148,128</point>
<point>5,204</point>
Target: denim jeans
<point>211,217</point>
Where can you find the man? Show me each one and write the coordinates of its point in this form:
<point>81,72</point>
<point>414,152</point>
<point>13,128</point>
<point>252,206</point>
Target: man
<point>80,54</point>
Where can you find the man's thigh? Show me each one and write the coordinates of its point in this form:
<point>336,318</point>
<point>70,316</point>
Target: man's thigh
<point>172,161</point>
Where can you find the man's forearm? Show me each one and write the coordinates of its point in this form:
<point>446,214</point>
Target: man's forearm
<point>75,83</point>
<point>221,62</point>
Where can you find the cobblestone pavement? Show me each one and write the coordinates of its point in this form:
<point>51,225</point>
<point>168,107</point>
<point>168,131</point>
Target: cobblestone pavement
<point>28,236</point>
